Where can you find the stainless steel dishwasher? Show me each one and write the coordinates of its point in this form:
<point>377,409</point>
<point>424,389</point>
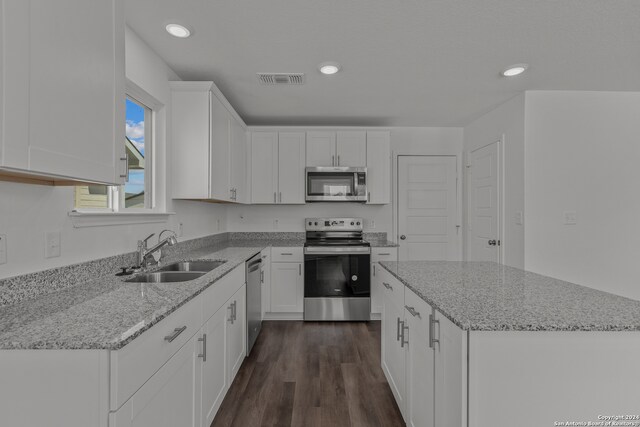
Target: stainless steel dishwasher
<point>254,301</point>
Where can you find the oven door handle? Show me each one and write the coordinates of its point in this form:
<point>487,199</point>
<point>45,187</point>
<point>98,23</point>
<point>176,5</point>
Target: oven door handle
<point>323,250</point>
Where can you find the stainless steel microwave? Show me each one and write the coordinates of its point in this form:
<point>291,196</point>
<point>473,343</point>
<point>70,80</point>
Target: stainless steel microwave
<point>336,184</point>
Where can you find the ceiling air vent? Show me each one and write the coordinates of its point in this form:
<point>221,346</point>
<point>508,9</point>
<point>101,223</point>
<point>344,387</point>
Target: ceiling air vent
<point>281,78</point>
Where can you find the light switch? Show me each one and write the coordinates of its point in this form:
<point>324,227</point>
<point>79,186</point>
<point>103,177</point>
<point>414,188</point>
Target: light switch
<point>519,218</point>
<point>372,224</point>
<point>3,248</point>
<point>570,218</point>
<point>52,244</point>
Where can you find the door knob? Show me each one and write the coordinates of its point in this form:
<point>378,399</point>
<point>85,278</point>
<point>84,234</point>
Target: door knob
<point>403,237</point>
<point>492,242</point>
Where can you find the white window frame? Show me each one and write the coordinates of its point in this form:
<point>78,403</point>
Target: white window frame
<point>153,211</point>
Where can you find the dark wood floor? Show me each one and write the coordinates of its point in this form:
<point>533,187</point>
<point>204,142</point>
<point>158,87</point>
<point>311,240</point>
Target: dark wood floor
<point>312,374</point>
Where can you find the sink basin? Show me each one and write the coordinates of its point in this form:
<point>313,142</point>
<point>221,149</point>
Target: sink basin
<point>205,266</point>
<point>166,277</point>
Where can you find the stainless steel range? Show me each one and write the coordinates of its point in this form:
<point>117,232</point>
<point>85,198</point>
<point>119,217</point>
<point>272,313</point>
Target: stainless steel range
<point>337,275</point>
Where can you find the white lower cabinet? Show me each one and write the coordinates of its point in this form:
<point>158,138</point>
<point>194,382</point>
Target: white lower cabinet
<point>287,280</point>
<point>377,255</point>
<point>190,387</point>
<point>424,357</point>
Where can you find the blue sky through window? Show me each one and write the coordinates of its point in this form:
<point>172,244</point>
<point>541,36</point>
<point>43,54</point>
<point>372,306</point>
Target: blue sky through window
<point>135,132</point>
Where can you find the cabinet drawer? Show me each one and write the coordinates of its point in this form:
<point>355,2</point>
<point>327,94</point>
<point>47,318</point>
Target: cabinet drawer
<point>384,254</point>
<point>294,254</point>
<point>216,295</point>
<point>391,287</point>
<point>136,362</point>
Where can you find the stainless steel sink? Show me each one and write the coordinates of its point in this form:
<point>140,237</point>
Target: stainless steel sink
<point>166,277</point>
<point>204,266</point>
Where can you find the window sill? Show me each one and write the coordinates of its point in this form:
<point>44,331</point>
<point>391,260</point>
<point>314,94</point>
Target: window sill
<point>82,219</point>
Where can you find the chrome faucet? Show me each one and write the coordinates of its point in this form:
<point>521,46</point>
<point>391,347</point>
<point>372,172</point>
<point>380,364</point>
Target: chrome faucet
<point>144,253</point>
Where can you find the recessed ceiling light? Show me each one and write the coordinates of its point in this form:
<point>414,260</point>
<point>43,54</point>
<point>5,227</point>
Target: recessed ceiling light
<point>329,67</point>
<point>178,30</point>
<point>515,70</point>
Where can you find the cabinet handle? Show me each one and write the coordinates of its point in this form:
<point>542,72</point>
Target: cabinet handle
<point>398,329</point>
<point>388,286</point>
<point>300,269</point>
<point>174,335</point>
<point>432,339</point>
<point>413,311</point>
<point>374,270</point>
<point>280,195</point>
<point>231,314</point>
<point>274,198</point>
<point>338,159</point>
<point>126,167</point>
<point>333,160</point>
<point>286,253</point>
<point>402,336</point>
<point>386,253</point>
<point>369,196</point>
<point>204,347</point>
<point>235,310</point>
<point>261,276</point>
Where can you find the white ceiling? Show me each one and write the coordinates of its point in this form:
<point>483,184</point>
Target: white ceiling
<point>405,62</point>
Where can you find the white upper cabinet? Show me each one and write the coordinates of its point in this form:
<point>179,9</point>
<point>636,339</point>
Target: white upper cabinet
<point>62,81</point>
<point>321,148</point>
<point>277,167</point>
<point>264,167</point>
<point>351,149</point>
<point>209,151</point>
<point>378,167</point>
<point>291,157</point>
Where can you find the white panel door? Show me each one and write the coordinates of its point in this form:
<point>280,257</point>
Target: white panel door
<point>427,206</point>
<point>378,167</point>
<point>483,233</point>
<point>291,164</point>
<point>351,148</point>
<point>64,103</point>
<point>238,173</point>
<point>214,381</point>
<point>321,149</point>
<point>237,333</point>
<point>219,152</point>
<point>264,167</point>
<point>287,287</point>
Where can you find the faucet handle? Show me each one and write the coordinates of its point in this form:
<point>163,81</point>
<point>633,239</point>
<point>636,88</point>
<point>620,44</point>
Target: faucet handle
<point>144,242</point>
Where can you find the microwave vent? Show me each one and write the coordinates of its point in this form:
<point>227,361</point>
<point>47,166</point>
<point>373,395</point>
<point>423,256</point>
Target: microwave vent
<point>281,78</point>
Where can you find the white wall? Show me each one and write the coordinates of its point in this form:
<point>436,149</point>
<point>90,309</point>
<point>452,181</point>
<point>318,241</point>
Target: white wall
<point>28,211</point>
<point>506,123</point>
<point>419,141</point>
<point>583,155</point>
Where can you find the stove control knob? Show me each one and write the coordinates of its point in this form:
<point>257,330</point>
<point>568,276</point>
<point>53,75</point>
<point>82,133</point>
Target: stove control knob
<point>352,222</point>
<point>315,223</point>
<point>358,223</point>
<point>310,223</point>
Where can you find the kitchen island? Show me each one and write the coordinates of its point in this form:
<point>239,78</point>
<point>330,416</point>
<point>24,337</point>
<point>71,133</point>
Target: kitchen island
<point>482,344</point>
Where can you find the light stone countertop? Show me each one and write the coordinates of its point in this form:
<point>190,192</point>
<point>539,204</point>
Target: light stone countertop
<point>485,296</point>
<point>107,313</point>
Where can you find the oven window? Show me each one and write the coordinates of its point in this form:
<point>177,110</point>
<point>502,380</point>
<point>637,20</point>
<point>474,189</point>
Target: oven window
<point>330,184</point>
<point>337,276</point>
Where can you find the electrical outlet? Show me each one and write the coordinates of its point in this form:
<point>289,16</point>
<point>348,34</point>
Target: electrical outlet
<point>218,224</point>
<point>372,224</point>
<point>275,224</point>
<point>570,218</point>
<point>519,218</point>
<point>52,244</point>
<point>180,229</point>
<point>3,248</point>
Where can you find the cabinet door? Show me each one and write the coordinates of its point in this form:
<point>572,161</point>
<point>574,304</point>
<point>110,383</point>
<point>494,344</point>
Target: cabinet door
<point>287,287</point>
<point>170,396</point>
<point>378,167</point>
<point>238,171</point>
<point>393,354</point>
<point>64,99</point>
<point>237,335</point>
<point>376,292</point>
<point>291,160</point>
<point>219,153</point>
<point>264,167</point>
<point>450,373</point>
<point>214,374</point>
<point>265,279</point>
<point>351,149</point>
<point>321,149</point>
<point>420,369</point>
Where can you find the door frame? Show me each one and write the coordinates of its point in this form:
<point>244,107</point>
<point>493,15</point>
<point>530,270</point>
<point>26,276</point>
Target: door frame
<point>395,210</point>
<point>501,191</point>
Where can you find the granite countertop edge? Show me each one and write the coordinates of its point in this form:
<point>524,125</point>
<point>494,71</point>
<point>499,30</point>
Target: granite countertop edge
<point>468,325</point>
